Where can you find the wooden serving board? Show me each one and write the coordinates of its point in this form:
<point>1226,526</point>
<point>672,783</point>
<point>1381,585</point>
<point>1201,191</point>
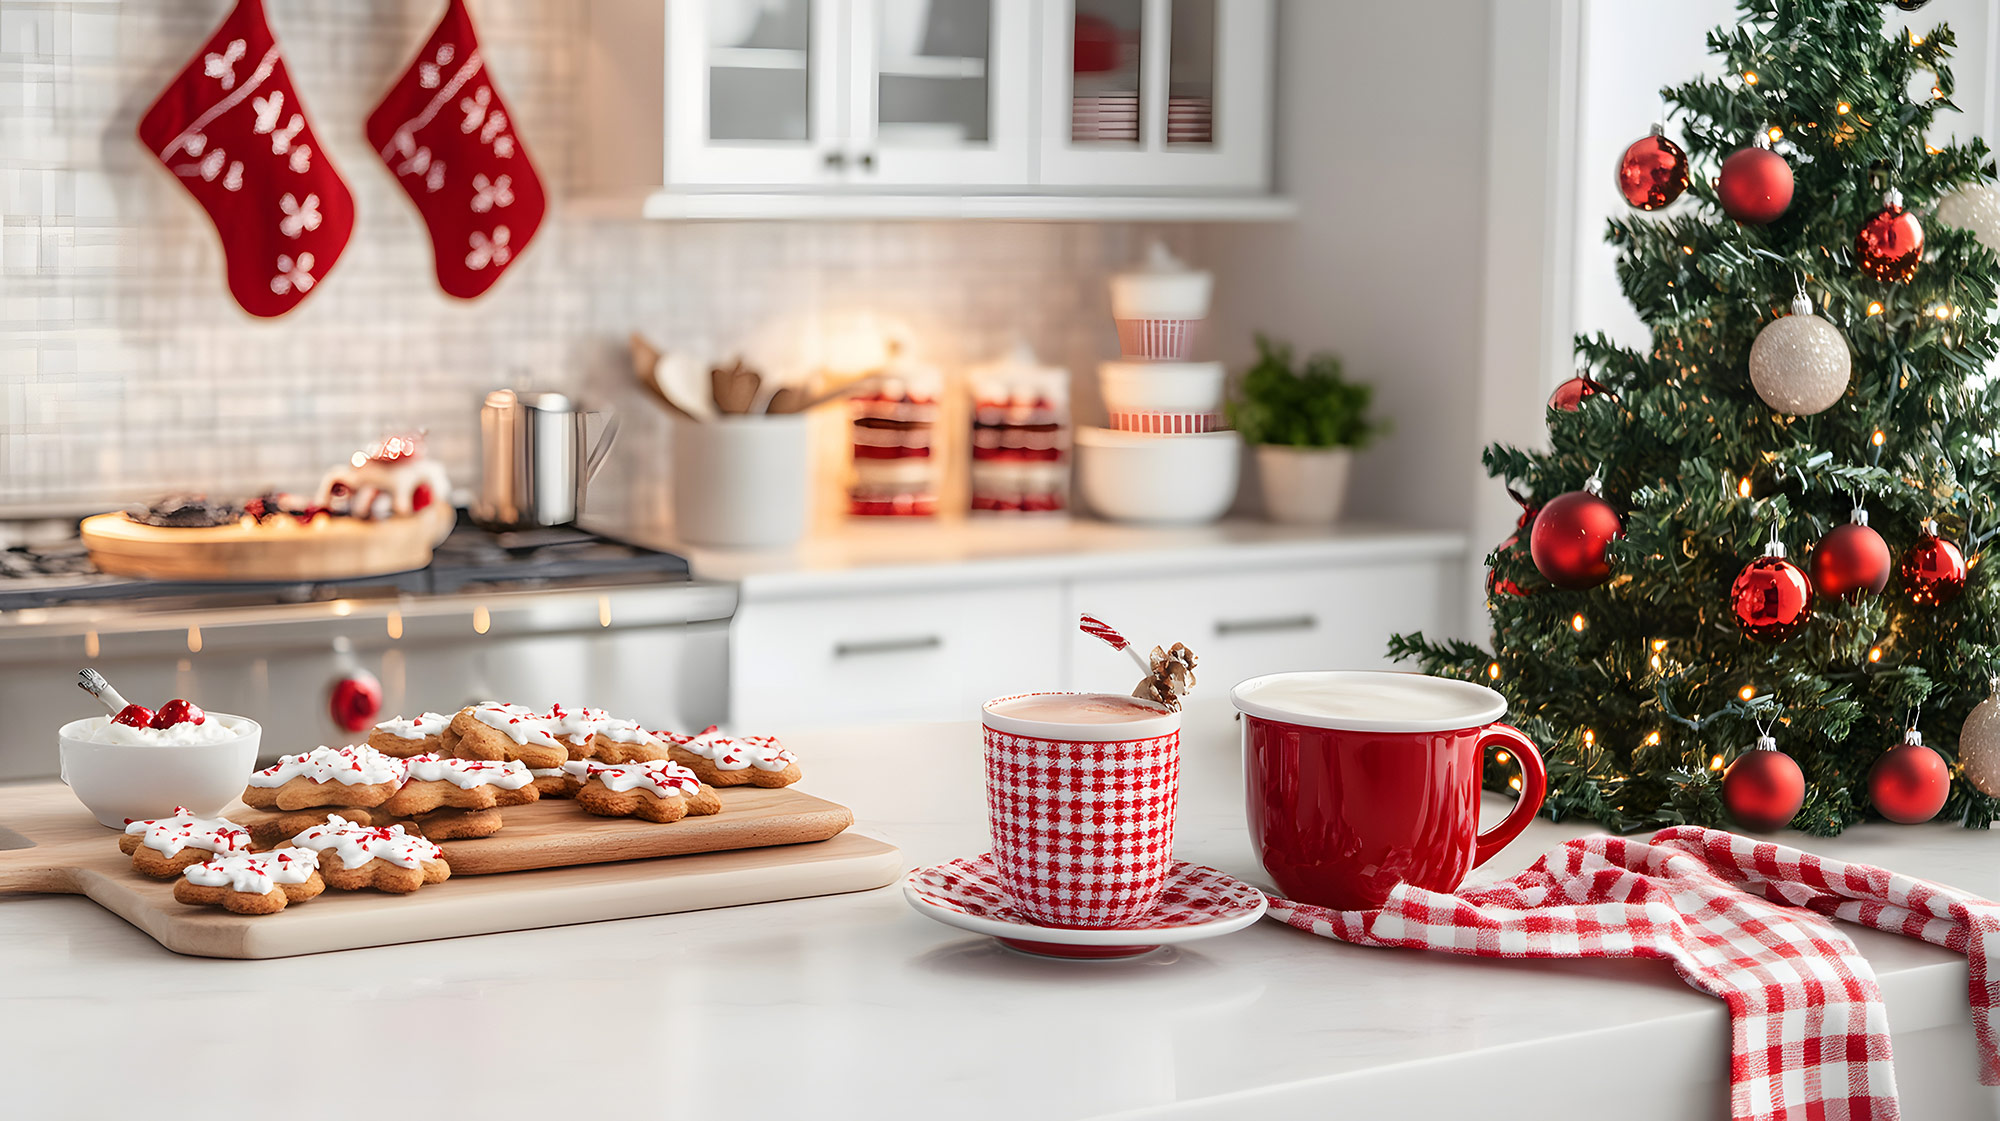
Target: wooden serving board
<point>552,865</point>
<point>327,548</point>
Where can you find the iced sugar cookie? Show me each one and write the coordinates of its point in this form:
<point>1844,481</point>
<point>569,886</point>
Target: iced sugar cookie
<point>252,883</point>
<point>162,847</point>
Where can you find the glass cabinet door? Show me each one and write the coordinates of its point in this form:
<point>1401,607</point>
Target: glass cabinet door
<point>754,95</point>
<point>940,91</point>
<point>1162,94</point>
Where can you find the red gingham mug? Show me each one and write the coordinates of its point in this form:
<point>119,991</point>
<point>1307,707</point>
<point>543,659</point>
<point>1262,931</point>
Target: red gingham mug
<point>1082,813</point>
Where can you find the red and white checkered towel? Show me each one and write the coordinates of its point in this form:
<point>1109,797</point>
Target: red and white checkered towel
<point>1744,920</point>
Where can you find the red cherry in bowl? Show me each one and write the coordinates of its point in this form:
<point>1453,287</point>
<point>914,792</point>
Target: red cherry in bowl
<point>134,716</point>
<point>178,711</point>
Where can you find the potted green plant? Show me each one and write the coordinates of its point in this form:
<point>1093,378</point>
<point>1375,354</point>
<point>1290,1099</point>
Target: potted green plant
<point>1305,424</point>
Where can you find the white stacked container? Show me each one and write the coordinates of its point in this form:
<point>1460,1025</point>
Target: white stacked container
<point>1166,457</point>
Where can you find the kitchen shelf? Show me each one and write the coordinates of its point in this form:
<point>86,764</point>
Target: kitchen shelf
<point>718,206</point>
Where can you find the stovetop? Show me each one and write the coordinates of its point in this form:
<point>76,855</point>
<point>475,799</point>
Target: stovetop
<point>471,559</point>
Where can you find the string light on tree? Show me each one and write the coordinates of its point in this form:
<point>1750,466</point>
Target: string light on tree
<point>1799,362</point>
<point>1572,535</point>
<point>1891,243</point>
<point>1910,782</point>
<point>1653,171</point>
<point>1933,570</point>
<point>1851,560</point>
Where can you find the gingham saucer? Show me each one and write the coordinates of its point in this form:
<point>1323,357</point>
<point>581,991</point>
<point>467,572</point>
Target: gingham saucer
<point>1197,903</point>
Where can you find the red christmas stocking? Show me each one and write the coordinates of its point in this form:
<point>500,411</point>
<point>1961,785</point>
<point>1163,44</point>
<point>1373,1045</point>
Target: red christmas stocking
<point>231,127</point>
<point>445,134</point>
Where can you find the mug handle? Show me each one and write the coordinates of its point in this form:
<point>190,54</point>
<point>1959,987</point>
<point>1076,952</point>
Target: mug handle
<point>1534,787</point>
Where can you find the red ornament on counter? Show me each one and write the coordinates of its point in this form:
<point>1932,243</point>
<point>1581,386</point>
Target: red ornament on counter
<point>1851,560</point>
<point>355,701</point>
<point>1910,782</point>
<point>1494,582</point>
<point>449,140</point>
<point>1933,569</point>
<point>1771,598</point>
<point>1755,185</point>
<point>1653,171</point>
<point>1571,536</point>
<point>231,127</point>
<point>1570,395</point>
<point>1764,788</point>
<point>1891,243</point>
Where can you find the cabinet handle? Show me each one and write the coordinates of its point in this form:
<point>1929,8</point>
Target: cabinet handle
<point>868,160</point>
<point>1263,626</point>
<point>836,159</point>
<point>886,646</point>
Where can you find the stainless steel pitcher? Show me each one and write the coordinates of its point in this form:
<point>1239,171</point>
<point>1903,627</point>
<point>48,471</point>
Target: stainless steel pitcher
<point>536,459</point>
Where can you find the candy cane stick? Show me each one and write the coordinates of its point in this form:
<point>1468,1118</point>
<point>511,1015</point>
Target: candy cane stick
<point>1099,629</point>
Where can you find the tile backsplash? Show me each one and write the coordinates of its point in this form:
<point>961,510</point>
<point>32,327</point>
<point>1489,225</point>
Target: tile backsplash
<point>126,370</point>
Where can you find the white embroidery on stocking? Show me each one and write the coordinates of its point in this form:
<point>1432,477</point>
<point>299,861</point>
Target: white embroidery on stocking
<point>223,66</point>
<point>488,250</point>
<point>200,124</point>
<point>211,164</point>
<point>434,182</point>
<point>403,140</point>
<point>293,274</point>
<point>269,109</point>
<point>194,144</point>
<point>489,193</point>
<point>428,75</point>
<point>474,108</point>
<point>233,181</point>
<point>496,122</point>
<point>299,216</point>
<point>301,158</point>
<point>281,140</point>
<point>504,147</point>
<point>418,163</point>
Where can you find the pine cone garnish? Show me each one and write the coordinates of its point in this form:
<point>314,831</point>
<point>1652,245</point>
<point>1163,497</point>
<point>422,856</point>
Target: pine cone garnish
<point>1172,676</point>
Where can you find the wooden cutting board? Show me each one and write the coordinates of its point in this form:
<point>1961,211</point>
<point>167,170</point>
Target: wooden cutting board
<point>552,865</point>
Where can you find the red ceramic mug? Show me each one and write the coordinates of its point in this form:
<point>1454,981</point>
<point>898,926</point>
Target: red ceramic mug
<point>1359,781</point>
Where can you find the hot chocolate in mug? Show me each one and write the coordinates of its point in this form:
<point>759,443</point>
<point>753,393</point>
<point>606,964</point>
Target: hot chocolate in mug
<point>1358,781</point>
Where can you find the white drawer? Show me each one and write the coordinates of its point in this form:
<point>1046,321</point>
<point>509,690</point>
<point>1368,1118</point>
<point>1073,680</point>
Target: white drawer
<point>1261,621</point>
<point>930,655</point>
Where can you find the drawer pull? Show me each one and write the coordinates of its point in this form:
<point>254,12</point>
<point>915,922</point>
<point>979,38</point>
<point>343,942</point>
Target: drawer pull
<point>886,646</point>
<point>1263,626</point>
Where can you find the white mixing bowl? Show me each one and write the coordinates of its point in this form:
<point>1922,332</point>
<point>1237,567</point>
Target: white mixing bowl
<point>1165,480</point>
<point>121,782</point>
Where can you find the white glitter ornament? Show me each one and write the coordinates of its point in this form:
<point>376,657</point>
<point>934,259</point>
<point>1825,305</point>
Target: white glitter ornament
<point>1799,363</point>
<point>1979,746</point>
<point>1974,207</point>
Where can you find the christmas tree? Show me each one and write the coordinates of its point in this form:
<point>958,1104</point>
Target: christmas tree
<point>1647,663</point>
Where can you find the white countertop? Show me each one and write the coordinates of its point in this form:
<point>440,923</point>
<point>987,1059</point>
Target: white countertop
<point>856,1007</point>
<point>898,554</point>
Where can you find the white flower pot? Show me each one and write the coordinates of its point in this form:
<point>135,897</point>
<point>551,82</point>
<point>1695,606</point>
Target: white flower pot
<point>1303,486</point>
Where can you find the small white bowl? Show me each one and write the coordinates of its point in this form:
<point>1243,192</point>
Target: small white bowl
<point>1161,387</point>
<point>119,782</point>
<point>1165,480</point>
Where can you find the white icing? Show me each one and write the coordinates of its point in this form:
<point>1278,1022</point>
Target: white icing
<point>736,754</point>
<point>184,830</point>
<point>255,873</point>
<point>356,845</point>
<point>625,731</point>
<point>468,773</point>
<point>399,479</point>
<point>215,729</point>
<point>519,723</point>
<point>349,766</point>
<point>576,726</point>
<point>547,772</point>
<point>660,777</point>
<point>416,727</point>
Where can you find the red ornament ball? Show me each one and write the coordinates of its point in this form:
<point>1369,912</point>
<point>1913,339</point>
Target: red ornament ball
<point>1494,581</point>
<point>1890,244</point>
<point>1570,395</point>
<point>1764,788</point>
<point>1771,598</point>
<point>1755,185</point>
<point>1570,537</point>
<point>1851,560</point>
<point>1910,782</point>
<point>1933,569</point>
<point>1653,171</point>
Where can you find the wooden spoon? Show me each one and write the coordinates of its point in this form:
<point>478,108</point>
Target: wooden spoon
<point>645,365</point>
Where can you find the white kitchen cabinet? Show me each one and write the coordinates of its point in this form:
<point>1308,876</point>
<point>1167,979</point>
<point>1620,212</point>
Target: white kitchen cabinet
<point>799,108</point>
